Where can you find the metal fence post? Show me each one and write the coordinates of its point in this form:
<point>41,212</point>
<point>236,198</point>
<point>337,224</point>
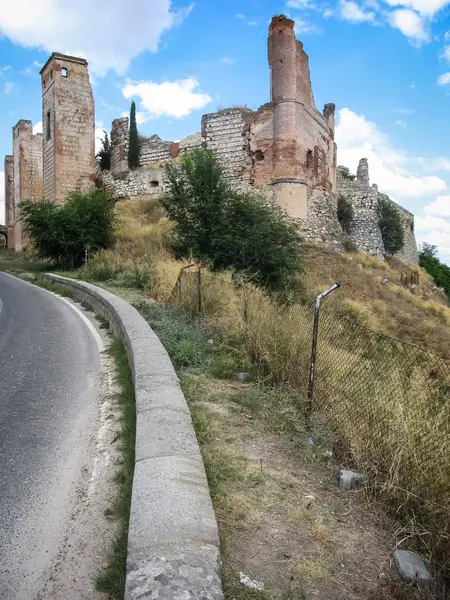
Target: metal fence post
<point>245,303</point>
<point>312,367</point>
<point>199,287</point>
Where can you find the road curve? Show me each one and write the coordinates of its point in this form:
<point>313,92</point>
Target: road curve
<point>49,363</point>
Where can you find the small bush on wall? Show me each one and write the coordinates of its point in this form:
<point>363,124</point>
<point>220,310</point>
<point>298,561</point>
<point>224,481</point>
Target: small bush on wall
<point>391,226</point>
<point>345,213</point>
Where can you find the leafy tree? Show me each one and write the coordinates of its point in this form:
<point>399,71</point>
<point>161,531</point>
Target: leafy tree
<point>345,173</point>
<point>62,232</point>
<point>103,156</point>
<point>439,271</point>
<point>345,213</point>
<point>427,249</point>
<point>227,228</point>
<point>133,144</point>
<point>391,226</point>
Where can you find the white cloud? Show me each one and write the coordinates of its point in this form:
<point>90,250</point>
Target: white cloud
<point>37,128</point>
<point>424,7</point>
<point>400,123</point>
<point>445,53</point>
<point>2,198</point>
<point>405,111</point>
<point>240,16</point>
<point>171,98</point>
<point>99,135</point>
<point>447,35</point>
<point>302,26</point>
<point>9,86</point>
<point>108,34</point>
<point>228,60</point>
<point>358,137</point>
<point>327,13</point>
<point>444,79</point>
<point>7,68</point>
<point>301,4</point>
<point>351,11</point>
<point>439,207</point>
<point>410,24</point>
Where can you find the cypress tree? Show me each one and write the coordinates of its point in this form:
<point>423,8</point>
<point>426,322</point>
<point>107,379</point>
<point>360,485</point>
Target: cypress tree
<point>133,145</point>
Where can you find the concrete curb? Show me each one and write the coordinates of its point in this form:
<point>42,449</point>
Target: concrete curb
<point>173,541</point>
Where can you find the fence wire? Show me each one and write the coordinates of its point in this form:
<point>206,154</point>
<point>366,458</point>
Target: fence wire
<point>386,403</point>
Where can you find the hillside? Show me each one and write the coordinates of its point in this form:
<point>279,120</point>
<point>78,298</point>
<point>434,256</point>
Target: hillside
<point>371,291</point>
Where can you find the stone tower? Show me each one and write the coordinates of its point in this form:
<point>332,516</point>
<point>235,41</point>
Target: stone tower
<point>68,122</point>
<point>27,173</point>
<point>304,152</point>
<point>9,199</point>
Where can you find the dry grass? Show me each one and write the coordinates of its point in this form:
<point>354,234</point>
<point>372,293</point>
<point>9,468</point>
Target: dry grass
<point>391,421</point>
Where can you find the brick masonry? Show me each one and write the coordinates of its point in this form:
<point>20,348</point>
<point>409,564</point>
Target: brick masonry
<point>285,150</point>
<point>9,200</point>
<point>68,119</point>
<point>27,173</point>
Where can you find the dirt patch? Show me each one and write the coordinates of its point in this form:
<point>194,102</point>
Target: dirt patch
<point>282,517</point>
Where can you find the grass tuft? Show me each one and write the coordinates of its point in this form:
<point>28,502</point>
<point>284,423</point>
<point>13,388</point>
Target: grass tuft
<point>112,580</point>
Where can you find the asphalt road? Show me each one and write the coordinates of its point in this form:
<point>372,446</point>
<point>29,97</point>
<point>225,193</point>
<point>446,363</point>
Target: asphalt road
<point>49,363</point>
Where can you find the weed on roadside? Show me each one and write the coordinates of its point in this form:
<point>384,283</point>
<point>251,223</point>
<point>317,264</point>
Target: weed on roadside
<point>112,580</point>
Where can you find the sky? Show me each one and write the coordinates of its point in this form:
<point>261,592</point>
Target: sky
<point>384,63</point>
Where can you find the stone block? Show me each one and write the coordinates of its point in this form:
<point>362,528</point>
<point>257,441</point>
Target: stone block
<point>411,567</point>
<point>155,434</point>
<point>349,479</point>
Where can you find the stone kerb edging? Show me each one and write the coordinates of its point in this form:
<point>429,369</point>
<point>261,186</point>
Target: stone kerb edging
<point>173,542</point>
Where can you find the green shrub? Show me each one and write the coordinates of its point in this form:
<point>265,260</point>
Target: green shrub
<point>440,272</point>
<point>103,156</point>
<point>63,232</point>
<point>133,144</point>
<point>349,245</point>
<point>230,229</point>
<point>345,173</point>
<point>391,227</point>
<point>345,213</point>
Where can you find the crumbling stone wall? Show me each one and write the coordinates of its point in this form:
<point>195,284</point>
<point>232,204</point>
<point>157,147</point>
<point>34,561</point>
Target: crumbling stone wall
<point>119,146</point>
<point>68,119</point>
<point>136,183</point>
<point>154,150</point>
<point>364,230</point>
<point>227,132</point>
<point>9,199</point>
<point>27,173</point>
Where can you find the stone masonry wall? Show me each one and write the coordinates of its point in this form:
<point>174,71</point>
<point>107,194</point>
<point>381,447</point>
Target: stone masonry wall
<point>9,199</point>
<point>119,146</point>
<point>141,182</point>
<point>69,127</point>
<point>227,132</point>
<point>409,252</point>
<point>28,170</point>
<point>364,230</point>
<point>154,150</point>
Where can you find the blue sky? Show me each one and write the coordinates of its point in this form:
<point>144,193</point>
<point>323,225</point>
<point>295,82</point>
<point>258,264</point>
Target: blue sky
<point>386,66</point>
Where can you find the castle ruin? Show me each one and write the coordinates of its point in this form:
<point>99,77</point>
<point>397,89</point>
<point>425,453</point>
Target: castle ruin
<point>285,150</point>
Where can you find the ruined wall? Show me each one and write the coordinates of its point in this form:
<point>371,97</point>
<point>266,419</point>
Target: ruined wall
<point>364,230</point>
<point>137,183</point>
<point>227,133</point>
<point>28,172</point>
<point>409,252</point>
<point>119,146</point>
<point>69,127</point>
<point>9,199</point>
<point>154,150</point>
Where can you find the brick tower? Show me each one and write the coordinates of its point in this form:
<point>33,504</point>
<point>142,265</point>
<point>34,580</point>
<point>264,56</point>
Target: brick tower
<point>68,121</point>
<point>304,152</point>
<point>9,199</point>
<point>27,173</point>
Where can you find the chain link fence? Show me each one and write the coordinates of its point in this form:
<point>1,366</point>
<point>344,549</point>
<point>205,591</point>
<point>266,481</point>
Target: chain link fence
<point>385,403</point>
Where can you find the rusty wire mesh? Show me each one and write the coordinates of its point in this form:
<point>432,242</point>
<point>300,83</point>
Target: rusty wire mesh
<point>385,402</point>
